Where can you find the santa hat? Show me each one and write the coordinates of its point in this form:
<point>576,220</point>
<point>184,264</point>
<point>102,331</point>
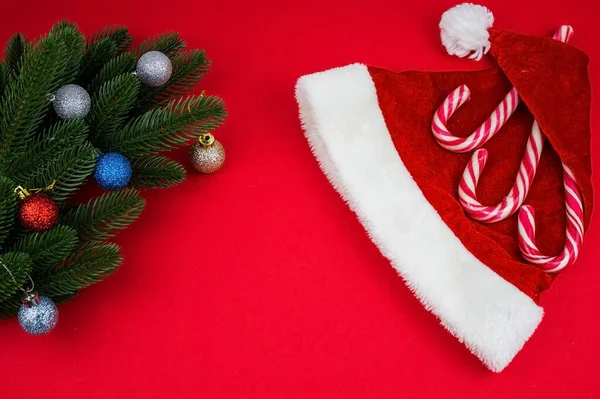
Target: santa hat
<point>393,147</point>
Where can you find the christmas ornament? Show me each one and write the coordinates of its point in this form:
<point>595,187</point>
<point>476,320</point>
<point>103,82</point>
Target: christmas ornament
<point>37,315</point>
<point>38,211</point>
<point>71,102</point>
<point>113,171</point>
<point>207,154</point>
<point>154,68</point>
<point>372,134</point>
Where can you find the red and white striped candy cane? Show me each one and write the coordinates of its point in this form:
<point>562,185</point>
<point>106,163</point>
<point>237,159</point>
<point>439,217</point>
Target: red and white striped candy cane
<point>574,211</point>
<point>574,236</point>
<point>483,133</point>
<point>564,34</point>
<point>514,199</point>
<point>527,170</point>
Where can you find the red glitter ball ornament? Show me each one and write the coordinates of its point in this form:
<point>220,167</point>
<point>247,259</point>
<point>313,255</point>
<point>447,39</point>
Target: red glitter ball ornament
<point>38,212</point>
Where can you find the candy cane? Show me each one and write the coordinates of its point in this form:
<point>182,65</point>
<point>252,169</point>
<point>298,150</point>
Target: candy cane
<point>574,236</point>
<point>527,170</point>
<point>483,133</point>
<point>517,194</point>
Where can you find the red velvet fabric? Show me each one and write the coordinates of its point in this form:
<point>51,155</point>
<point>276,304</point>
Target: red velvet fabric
<point>552,81</point>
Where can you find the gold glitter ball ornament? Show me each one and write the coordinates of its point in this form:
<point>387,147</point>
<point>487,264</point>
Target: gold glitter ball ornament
<point>207,154</point>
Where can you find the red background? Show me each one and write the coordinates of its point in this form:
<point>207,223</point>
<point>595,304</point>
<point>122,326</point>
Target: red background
<point>258,281</point>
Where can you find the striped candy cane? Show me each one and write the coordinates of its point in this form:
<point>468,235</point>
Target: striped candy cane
<point>514,199</point>
<point>574,236</point>
<point>483,133</point>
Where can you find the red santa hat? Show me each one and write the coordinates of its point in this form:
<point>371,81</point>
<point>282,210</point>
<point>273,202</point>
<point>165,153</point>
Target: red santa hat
<point>372,132</point>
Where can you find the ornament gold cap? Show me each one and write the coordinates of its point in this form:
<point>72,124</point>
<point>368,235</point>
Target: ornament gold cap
<point>206,139</point>
<point>22,192</point>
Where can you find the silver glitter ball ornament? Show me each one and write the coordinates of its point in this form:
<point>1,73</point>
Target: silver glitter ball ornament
<point>154,68</point>
<point>207,154</point>
<point>38,315</point>
<point>72,102</point>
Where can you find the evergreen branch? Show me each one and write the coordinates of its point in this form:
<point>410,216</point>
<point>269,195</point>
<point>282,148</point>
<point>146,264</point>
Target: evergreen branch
<point>8,207</point>
<point>101,218</point>
<point>69,171</point>
<point>111,105</point>
<point>16,48</point>
<point>59,139</point>
<point>188,68</point>
<point>25,101</point>
<point>91,263</point>
<point>167,128</point>
<point>118,34</point>
<point>75,44</point>
<point>125,63</point>
<point>168,43</point>
<point>58,27</point>
<point>19,265</point>
<point>97,54</point>
<point>48,248</point>
<point>5,76</point>
<point>156,172</point>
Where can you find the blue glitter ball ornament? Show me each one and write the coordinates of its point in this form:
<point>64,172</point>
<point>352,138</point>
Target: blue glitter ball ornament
<point>38,315</point>
<point>113,171</point>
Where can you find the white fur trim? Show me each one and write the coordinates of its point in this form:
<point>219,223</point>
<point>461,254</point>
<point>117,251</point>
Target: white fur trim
<point>464,30</point>
<point>348,135</point>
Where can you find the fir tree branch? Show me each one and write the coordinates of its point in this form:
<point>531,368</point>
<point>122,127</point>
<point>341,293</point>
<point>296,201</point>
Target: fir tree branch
<point>101,218</point>
<point>97,54</point>
<point>48,248</point>
<point>58,139</point>
<point>75,44</point>
<point>188,68</point>
<point>156,172</point>
<point>111,105</point>
<point>19,265</point>
<point>91,263</point>
<point>60,25</point>
<point>5,76</point>
<point>169,44</point>
<point>125,63</point>
<point>16,48</point>
<point>118,34</point>
<point>25,100</point>
<point>167,128</point>
<point>69,171</point>
<point>8,207</point>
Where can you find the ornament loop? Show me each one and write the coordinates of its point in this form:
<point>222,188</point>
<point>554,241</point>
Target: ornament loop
<point>15,281</point>
<point>21,192</point>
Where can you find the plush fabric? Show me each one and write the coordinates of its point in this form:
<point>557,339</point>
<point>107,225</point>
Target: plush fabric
<point>551,78</point>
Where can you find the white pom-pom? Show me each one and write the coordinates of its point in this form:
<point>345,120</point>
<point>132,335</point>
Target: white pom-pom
<point>464,30</point>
